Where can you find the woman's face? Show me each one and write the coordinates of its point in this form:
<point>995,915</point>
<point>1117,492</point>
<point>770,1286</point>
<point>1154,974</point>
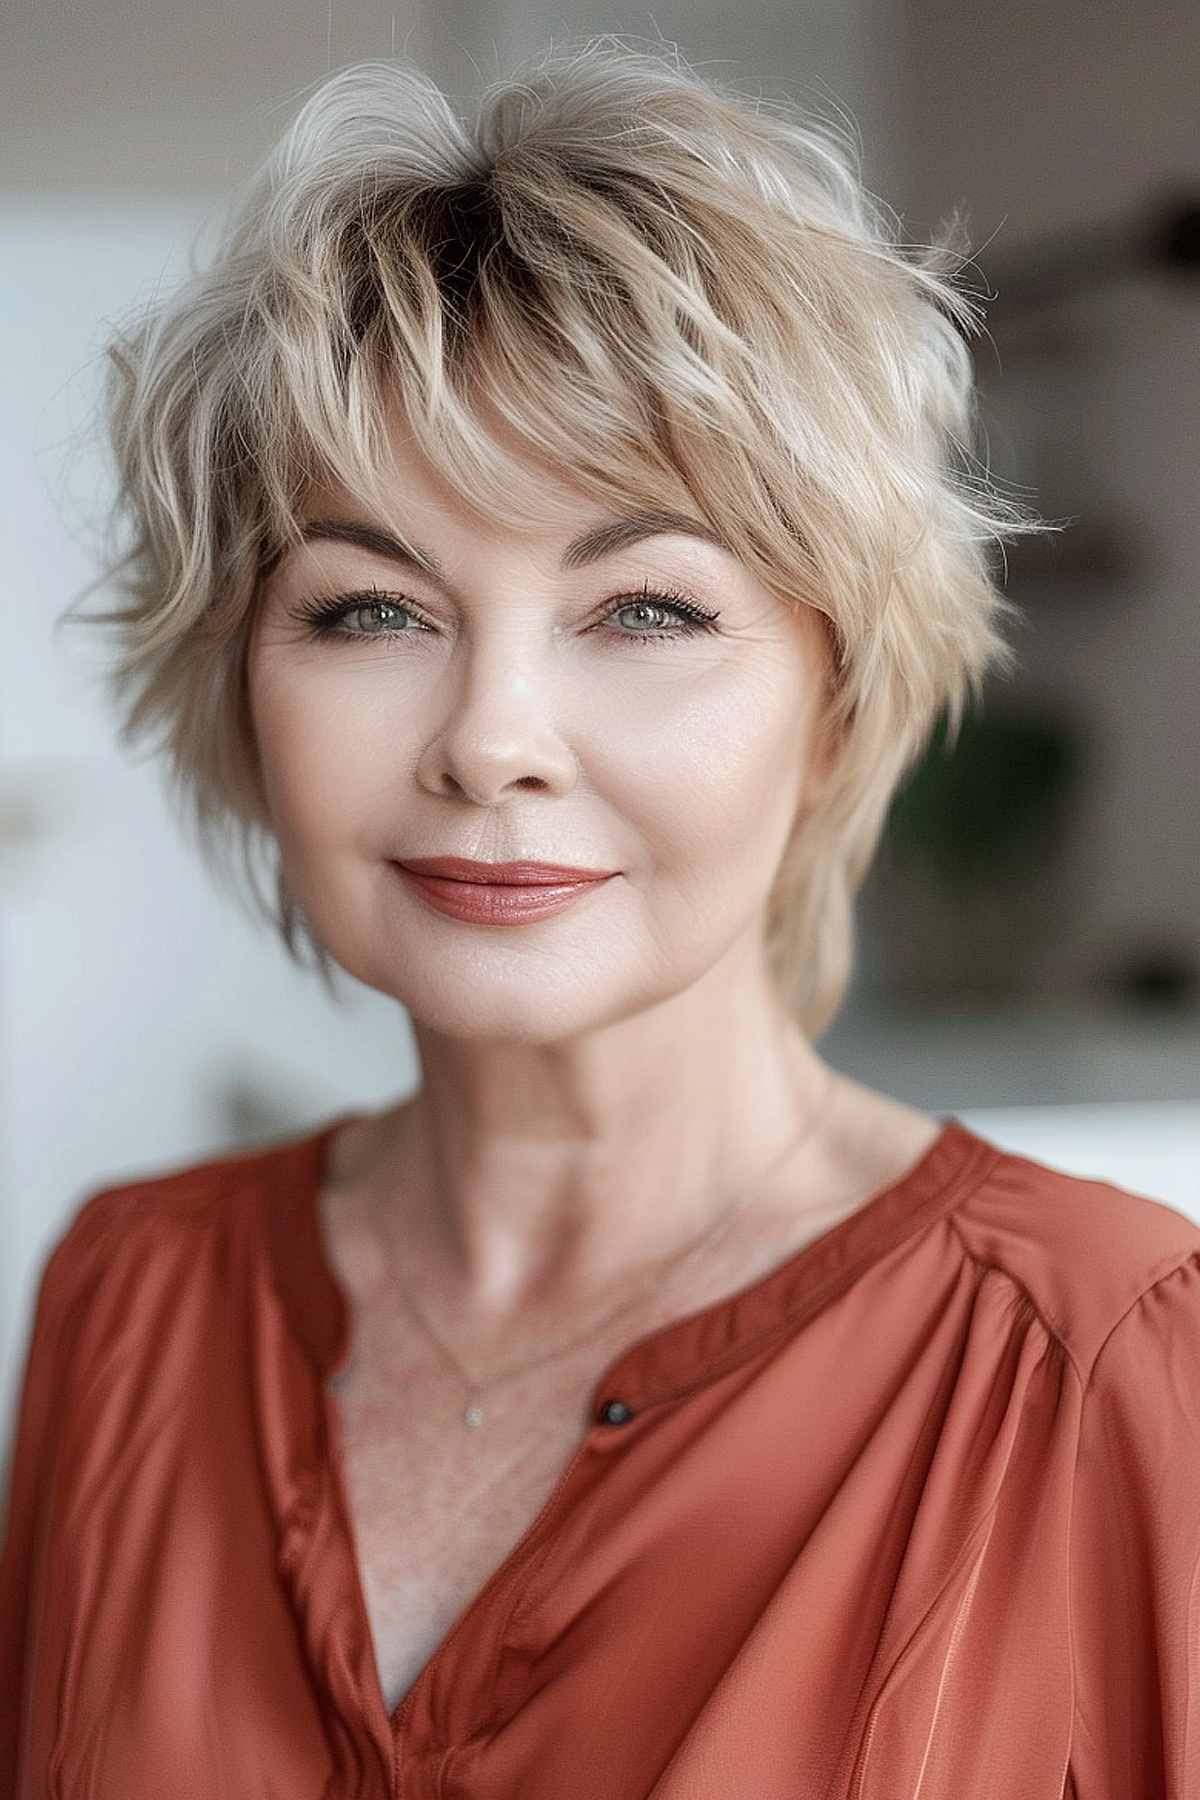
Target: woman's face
<point>521,704</point>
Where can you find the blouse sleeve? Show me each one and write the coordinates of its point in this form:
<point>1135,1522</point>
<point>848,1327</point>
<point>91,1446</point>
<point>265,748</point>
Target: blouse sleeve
<point>1135,1555</point>
<point>28,1470</point>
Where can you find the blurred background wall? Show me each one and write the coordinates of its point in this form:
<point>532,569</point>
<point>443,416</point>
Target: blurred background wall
<point>1030,935</point>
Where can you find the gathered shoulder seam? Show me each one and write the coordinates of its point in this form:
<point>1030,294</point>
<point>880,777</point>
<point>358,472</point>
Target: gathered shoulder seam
<point>1055,1331</point>
<point>1052,1330</point>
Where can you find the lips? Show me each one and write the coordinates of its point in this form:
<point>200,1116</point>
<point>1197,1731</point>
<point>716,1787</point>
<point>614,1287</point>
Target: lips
<point>508,874</point>
<point>536,892</point>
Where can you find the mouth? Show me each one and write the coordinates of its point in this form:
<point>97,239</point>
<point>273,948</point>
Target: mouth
<point>485,901</point>
<point>507,874</point>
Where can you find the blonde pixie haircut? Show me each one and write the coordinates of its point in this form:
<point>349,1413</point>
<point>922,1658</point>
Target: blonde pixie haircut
<point>670,291</point>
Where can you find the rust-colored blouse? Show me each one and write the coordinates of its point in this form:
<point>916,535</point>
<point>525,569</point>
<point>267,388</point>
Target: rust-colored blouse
<point>915,1516</point>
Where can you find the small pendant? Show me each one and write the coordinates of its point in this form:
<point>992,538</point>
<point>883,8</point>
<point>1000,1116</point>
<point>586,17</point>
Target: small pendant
<point>473,1416</point>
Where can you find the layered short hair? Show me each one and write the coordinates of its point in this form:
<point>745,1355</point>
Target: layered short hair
<point>668,288</point>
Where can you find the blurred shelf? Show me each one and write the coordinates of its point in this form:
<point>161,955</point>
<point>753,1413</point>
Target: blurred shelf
<point>949,1061</point>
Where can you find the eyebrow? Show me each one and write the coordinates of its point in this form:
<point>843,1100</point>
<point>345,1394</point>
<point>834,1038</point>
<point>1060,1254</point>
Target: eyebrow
<point>589,547</point>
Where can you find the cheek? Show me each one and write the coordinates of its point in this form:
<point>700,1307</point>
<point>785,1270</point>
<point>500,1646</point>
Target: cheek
<point>721,770</point>
<point>322,754</point>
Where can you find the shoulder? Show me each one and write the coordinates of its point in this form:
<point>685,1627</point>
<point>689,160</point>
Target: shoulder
<point>177,1196</point>
<point>1085,1251</point>
<point>129,1250</point>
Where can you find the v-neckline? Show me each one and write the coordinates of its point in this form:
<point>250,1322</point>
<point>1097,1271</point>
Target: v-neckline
<point>661,1365</point>
<point>670,1358</point>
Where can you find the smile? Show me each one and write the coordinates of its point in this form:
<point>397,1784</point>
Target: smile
<point>496,903</point>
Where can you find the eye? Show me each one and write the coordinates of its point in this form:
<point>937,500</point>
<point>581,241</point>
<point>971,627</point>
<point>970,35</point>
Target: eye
<point>325,618</point>
<point>328,618</point>
<point>693,618</point>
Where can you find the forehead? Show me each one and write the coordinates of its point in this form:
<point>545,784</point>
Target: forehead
<point>536,492</point>
<point>415,506</point>
<point>414,497</point>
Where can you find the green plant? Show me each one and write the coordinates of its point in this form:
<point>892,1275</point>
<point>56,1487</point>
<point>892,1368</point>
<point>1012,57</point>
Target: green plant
<point>993,807</point>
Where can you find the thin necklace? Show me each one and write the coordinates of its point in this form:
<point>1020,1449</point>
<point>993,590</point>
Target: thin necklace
<point>473,1414</point>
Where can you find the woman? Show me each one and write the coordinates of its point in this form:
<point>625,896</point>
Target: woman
<point>642,1407</point>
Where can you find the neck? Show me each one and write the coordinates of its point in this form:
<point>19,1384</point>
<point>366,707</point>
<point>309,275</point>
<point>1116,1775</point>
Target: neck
<point>548,1176</point>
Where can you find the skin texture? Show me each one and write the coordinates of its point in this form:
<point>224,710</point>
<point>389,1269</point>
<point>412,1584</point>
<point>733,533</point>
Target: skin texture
<point>600,1086</point>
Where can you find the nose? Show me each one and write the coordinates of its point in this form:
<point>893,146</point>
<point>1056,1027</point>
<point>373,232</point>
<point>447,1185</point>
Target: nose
<point>498,733</point>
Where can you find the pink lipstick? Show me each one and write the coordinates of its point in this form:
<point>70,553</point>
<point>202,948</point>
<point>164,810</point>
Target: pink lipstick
<point>498,893</point>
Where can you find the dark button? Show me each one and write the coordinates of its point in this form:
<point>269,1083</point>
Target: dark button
<point>615,1412</point>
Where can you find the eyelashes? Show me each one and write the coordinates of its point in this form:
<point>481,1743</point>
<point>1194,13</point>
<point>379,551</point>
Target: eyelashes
<point>327,618</point>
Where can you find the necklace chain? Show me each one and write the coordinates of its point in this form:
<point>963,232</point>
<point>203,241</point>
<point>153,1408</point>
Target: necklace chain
<point>473,1412</point>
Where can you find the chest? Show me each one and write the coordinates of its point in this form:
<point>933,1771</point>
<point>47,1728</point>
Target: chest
<point>436,1506</point>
